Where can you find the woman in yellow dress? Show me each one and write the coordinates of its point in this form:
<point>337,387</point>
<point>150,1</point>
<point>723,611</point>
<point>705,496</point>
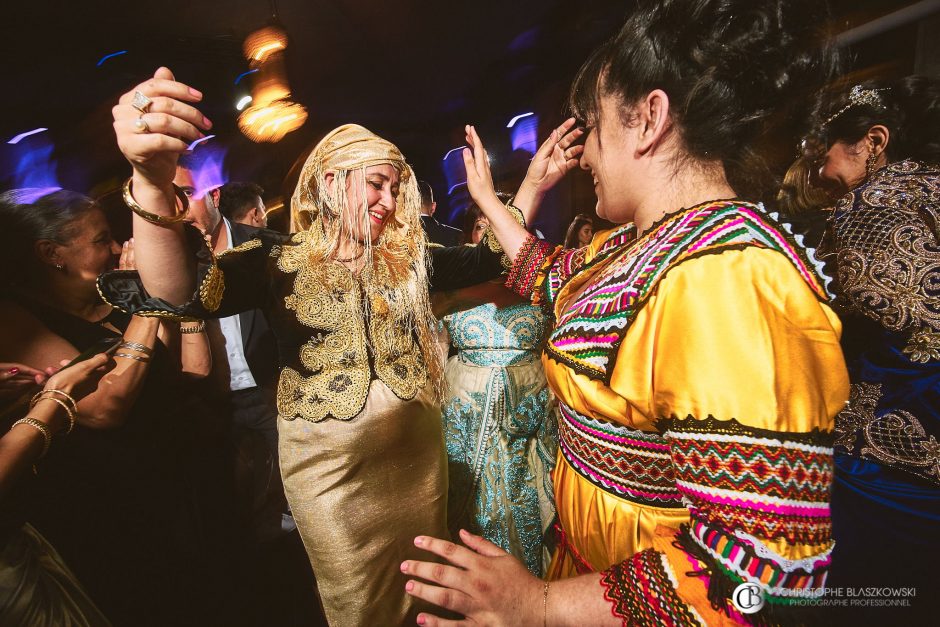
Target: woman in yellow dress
<point>359,427</point>
<point>693,352</point>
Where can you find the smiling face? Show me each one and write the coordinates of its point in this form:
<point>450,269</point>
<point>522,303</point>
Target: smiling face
<point>381,201</point>
<point>609,152</point>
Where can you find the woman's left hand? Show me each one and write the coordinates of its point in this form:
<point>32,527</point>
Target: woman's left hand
<point>127,261</point>
<point>484,583</point>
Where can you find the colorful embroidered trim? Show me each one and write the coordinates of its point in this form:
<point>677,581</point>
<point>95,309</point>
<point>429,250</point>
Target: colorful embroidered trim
<point>631,464</point>
<point>591,328</point>
<point>642,591</point>
<point>525,267</point>
<point>739,559</point>
<point>767,484</point>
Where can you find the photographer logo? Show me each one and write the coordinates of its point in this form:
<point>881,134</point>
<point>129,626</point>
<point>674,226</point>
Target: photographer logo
<point>748,598</point>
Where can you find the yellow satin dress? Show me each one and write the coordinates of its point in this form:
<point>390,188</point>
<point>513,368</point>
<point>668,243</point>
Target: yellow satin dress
<point>737,335</point>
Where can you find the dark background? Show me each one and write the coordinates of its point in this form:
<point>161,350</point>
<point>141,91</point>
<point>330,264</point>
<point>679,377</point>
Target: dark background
<point>413,71</point>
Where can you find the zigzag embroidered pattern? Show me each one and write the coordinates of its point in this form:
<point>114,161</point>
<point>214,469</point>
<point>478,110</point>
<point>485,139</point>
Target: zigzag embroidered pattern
<point>634,465</point>
<point>643,593</point>
<point>592,326</point>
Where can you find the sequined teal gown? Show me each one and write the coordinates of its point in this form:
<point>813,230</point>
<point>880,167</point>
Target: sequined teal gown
<point>500,429</point>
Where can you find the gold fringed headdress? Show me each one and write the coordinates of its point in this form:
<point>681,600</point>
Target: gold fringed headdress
<point>394,275</point>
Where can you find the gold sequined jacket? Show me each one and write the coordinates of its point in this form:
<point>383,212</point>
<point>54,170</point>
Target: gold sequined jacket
<point>885,240</point>
<point>330,348</point>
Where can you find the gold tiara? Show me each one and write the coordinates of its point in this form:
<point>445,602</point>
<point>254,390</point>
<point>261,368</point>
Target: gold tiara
<point>858,97</point>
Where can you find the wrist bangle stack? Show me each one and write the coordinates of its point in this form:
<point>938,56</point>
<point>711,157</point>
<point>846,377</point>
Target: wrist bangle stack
<point>198,327</point>
<point>38,426</point>
<point>66,402</point>
<point>153,218</point>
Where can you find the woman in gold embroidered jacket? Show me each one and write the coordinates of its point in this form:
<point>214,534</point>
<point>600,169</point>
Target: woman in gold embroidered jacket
<point>883,152</point>
<point>361,447</point>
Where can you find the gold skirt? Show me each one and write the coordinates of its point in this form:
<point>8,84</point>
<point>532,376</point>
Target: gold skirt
<point>360,491</point>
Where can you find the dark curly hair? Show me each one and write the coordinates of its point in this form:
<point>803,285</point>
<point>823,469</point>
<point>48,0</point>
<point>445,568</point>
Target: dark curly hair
<point>737,73</point>
<point>236,199</point>
<point>910,111</point>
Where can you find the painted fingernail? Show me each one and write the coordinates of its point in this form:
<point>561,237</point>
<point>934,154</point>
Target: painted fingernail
<point>409,586</point>
<point>404,567</point>
<point>206,122</point>
<point>419,541</point>
<point>14,370</point>
<point>421,620</point>
<point>195,92</point>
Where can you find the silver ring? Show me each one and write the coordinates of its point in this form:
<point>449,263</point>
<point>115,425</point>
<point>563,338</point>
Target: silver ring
<point>141,124</point>
<point>141,102</point>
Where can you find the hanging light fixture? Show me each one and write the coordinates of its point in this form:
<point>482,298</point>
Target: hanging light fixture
<point>272,113</point>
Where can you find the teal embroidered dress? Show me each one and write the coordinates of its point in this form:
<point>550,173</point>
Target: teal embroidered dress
<point>500,429</point>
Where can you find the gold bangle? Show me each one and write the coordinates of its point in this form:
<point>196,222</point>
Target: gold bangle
<point>545,604</point>
<point>63,405</point>
<point>142,360</point>
<point>136,346</point>
<point>153,218</point>
<point>42,428</point>
<point>199,327</point>
<point>69,405</point>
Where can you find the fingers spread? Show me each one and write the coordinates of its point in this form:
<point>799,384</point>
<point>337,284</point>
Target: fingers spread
<point>438,573</point>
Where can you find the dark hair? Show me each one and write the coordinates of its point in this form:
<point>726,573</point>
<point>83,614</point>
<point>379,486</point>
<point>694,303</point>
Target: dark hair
<point>427,195</point>
<point>736,72</point>
<point>237,199</point>
<point>910,109</point>
<point>571,237</point>
<point>50,217</point>
<point>473,213</point>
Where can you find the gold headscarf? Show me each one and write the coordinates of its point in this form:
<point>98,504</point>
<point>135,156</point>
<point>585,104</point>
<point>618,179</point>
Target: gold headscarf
<point>394,275</point>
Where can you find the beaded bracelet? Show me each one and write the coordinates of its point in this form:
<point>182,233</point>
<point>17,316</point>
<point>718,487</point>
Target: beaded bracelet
<point>199,327</point>
<point>42,428</point>
<point>153,218</point>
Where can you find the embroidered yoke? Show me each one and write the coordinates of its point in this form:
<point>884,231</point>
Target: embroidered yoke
<point>698,371</point>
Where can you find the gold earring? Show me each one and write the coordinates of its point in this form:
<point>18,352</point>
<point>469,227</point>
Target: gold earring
<point>871,164</point>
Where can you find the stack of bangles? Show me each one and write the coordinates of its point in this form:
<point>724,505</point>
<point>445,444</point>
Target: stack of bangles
<point>141,352</point>
<point>181,211</point>
<point>64,400</point>
<point>196,326</point>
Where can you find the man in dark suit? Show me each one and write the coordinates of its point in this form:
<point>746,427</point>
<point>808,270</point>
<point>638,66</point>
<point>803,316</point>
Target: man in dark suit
<point>437,233</point>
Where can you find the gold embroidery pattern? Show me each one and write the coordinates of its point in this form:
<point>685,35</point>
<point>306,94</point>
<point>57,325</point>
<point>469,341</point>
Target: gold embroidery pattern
<point>249,245</point>
<point>212,288</point>
<point>490,238</point>
<point>889,256</point>
<point>896,439</point>
<point>328,298</point>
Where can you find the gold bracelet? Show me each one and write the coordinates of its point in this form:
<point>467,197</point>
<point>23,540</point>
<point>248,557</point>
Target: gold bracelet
<point>65,396</point>
<point>199,327</point>
<point>153,218</point>
<point>545,604</point>
<point>136,346</point>
<point>42,428</point>
<point>70,411</point>
<point>142,360</point>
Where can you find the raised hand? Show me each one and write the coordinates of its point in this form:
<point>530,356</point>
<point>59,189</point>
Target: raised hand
<point>153,134</point>
<point>127,261</point>
<point>483,583</point>
<point>552,161</point>
<point>479,178</point>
